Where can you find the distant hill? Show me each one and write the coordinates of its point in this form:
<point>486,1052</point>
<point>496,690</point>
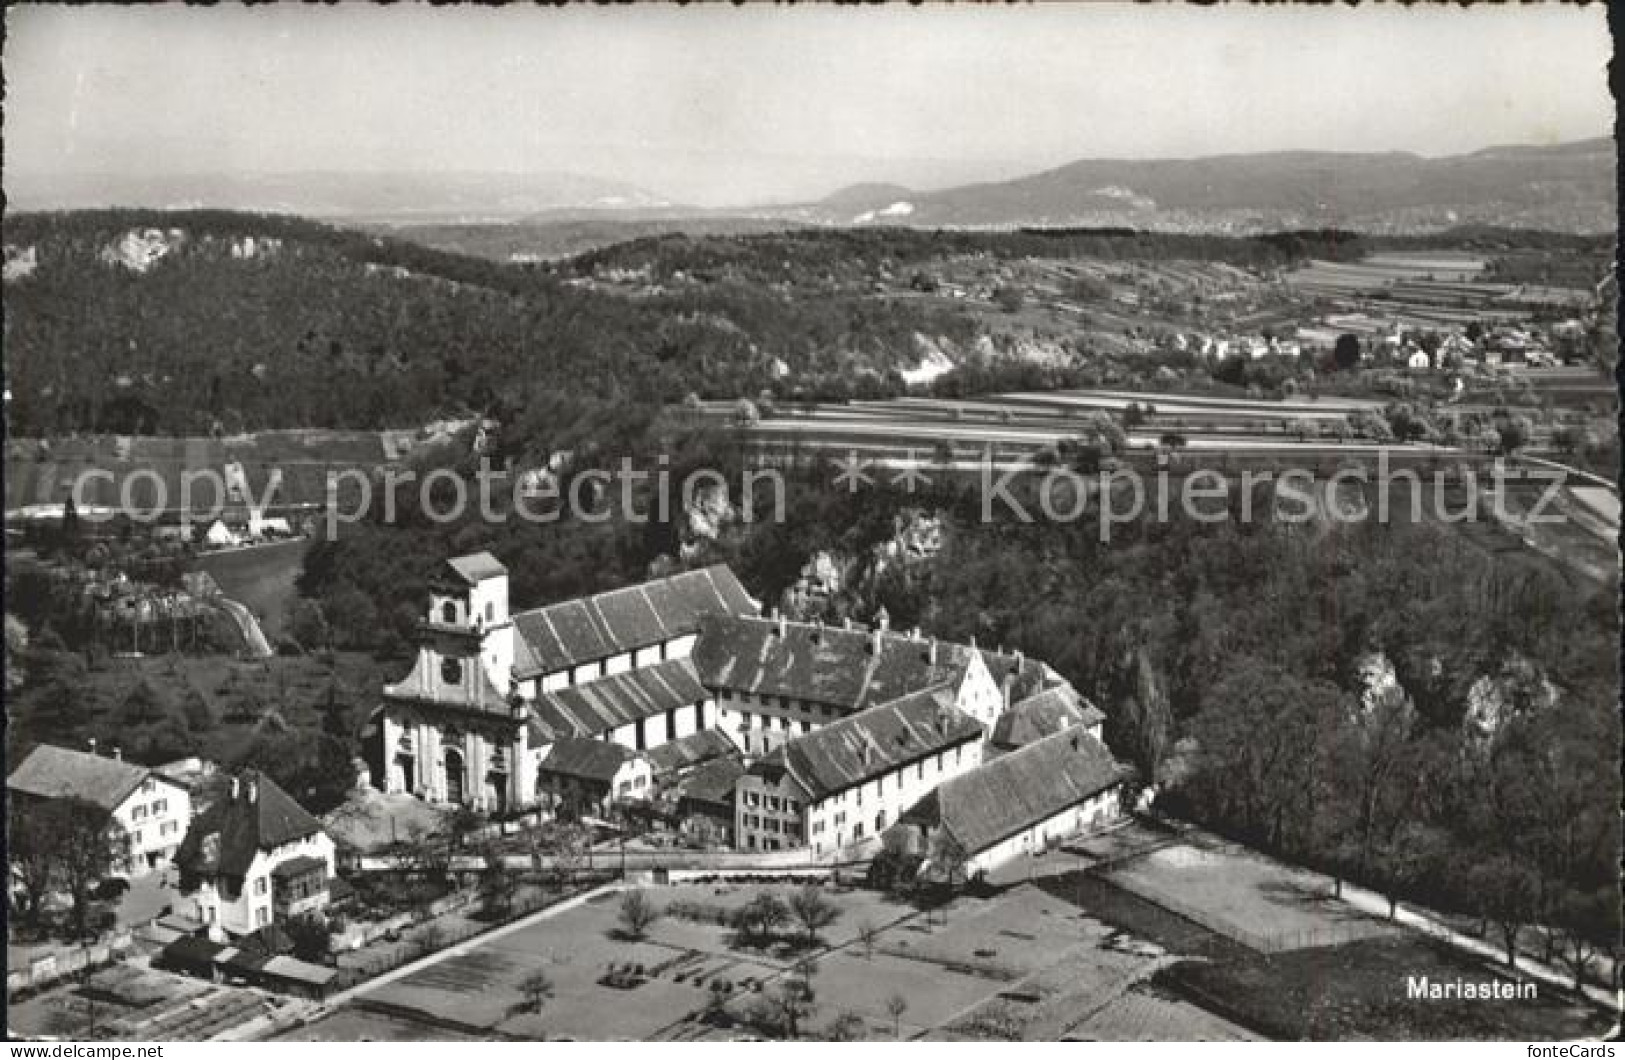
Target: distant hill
<point>1565,187</point>
<point>445,197</point>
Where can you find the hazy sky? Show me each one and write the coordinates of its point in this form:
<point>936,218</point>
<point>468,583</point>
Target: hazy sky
<point>721,105</point>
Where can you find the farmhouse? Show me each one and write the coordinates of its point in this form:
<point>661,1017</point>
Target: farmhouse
<point>149,809</point>
<point>844,783</point>
<point>253,858</point>
<point>1015,804</point>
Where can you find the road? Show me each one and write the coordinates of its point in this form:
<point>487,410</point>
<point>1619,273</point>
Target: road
<point>254,640</point>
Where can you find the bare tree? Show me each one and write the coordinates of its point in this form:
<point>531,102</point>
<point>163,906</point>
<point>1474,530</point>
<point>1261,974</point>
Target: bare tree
<point>815,911</point>
<point>896,1005</point>
<point>637,914</point>
<point>847,1027</point>
<point>868,934</point>
<point>537,989</point>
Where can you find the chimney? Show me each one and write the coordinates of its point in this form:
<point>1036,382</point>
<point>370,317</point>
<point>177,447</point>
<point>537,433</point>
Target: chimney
<point>931,652</point>
<point>1020,659</point>
<point>118,754</point>
<point>782,624</point>
<point>1006,686</point>
<point>882,619</point>
<point>874,643</point>
<point>253,789</point>
<point>914,634</point>
<point>92,743</point>
<point>233,789</point>
<point>846,621</point>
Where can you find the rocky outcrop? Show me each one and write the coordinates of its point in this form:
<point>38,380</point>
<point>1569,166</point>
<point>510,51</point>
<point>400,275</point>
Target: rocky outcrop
<point>140,249</point>
<point>708,517</point>
<point>21,263</point>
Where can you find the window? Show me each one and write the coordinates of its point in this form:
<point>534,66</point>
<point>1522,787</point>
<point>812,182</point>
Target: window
<point>138,814</point>
<point>259,885</point>
<point>490,611</point>
<point>262,916</point>
<point>161,806</point>
<point>451,671</point>
<point>448,613</point>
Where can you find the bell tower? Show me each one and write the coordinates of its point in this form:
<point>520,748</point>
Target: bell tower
<point>468,614</point>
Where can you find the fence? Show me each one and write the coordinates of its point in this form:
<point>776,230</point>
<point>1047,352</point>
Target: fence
<point>53,967</point>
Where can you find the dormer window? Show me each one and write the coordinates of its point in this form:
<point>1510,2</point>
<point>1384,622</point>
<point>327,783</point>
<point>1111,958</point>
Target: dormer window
<point>490,611</point>
<point>448,613</point>
<point>451,671</point>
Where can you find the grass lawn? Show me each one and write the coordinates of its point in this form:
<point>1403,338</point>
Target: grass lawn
<point>1254,900</point>
<point>1358,991</point>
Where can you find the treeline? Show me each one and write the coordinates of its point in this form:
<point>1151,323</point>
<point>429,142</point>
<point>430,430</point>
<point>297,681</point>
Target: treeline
<point>346,330</point>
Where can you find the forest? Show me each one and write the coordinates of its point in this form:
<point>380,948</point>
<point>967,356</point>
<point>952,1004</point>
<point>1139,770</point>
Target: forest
<point>322,327</point>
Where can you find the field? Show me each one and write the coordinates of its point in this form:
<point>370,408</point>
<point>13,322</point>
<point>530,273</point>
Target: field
<point>1357,992</point>
<point>1261,904</point>
<point>151,469</point>
<point>1432,289</point>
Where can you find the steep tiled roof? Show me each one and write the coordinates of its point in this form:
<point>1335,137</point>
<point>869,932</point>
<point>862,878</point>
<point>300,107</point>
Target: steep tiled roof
<point>589,759</point>
<point>713,782</point>
<point>56,772</point>
<point>427,683</point>
<point>873,742</point>
<point>595,627</point>
<point>648,692</point>
<point>823,664</point>
<point>477,567</point>
<point>261,817</point>
<point>690,751</point>
<point>1056,708</point>
<point>1019,789</point>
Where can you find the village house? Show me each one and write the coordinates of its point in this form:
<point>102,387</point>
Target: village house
<point>151,811</point>
<point>586,777</point>
<point>1013,805</point>
<point>703,801</point>
<point>841,785</point>
<point>253,858</point>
